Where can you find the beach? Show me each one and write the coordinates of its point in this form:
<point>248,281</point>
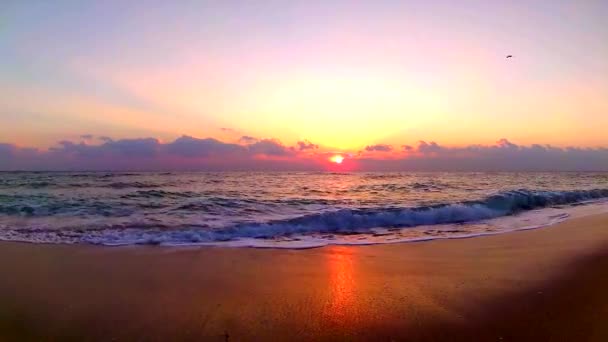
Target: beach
<point>303,171</point>
<point>541,284</point>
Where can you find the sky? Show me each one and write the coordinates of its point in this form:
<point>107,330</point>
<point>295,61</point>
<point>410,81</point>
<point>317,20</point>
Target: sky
<point>289,84</point>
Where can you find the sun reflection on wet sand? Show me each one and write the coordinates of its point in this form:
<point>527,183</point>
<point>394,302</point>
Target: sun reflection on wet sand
<point>342,300</point>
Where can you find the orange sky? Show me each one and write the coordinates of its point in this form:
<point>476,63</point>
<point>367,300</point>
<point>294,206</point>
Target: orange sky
<point>340,74</point>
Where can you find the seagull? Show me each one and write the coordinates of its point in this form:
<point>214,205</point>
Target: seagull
<point>509,56</point>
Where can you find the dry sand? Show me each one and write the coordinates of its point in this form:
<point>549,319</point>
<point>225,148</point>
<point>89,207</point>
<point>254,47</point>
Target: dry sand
<point>544,284</point>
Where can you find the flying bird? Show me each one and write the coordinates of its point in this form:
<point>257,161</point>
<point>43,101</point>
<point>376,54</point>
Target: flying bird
<point>509,56</point>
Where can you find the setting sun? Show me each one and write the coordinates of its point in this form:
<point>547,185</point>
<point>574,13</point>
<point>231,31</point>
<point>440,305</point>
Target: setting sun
<point>336,159</point>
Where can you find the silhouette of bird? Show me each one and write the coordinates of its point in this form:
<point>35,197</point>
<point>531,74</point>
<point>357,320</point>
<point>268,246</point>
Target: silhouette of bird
<point>509,56</point>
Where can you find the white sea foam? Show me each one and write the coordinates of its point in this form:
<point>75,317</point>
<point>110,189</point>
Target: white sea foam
<point>525,221</point>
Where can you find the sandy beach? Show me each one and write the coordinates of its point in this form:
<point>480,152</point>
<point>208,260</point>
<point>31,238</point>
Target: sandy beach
<point>334,170</point>
<point>543,284</point>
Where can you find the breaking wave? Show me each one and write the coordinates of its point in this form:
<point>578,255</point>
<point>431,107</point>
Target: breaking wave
<point>327,227</point>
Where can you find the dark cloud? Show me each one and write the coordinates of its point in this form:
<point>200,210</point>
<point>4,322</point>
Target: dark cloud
<point>379,148</point>
<point>427,148</point>
<point>137,148</point>
<point>269,147</point>
<point>86,137</point>
<point>146,147</point>
<point>502,156</point>
<point>407,147</point>
<point>105,139</point>
<point>245,139</point>
<point>150,154</point>
<point>7,152</point>
<point>307,145</point>
<point>504,143</point>
<point>6,148</point>
<point>193,147</point>
<point>19,158</point>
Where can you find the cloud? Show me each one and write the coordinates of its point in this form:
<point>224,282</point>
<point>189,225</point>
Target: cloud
<point>183,153</point>
<point>190,153</point>
<point>86,137</point>
<point>501,156</point>
<point>269,147</point>
<point>187,146</point>
<point>146,147</point>
<point>427,148</point>
<point>105,139</point>
<point>228,130</point>
<point>504,143</point>
<point>6,152</point>
<point>138,148</point>
<point>307,145</point>
<point>245,139</point>
<point>379,148</point>
<point>13,157</point>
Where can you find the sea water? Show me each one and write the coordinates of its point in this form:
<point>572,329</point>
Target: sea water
<point>286,210</point>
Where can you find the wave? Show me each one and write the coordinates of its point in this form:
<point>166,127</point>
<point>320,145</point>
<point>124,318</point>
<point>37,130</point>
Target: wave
<point>161,194</point>
<point>362,220</point>
<point>65,185</point>
<point>341,222</point>
<point>126,185</point>
<point>47,205</point>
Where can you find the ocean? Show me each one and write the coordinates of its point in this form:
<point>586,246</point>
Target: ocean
<point>286,210</point>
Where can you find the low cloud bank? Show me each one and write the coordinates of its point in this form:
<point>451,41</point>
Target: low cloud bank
<point>189,153</point>
<point>184,153</point>
<point>502,156</point>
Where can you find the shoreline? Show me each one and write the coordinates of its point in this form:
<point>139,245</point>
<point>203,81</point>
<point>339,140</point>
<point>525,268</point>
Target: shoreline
<point>450,289</point>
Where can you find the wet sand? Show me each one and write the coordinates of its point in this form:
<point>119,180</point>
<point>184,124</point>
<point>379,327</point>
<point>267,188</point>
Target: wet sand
<point>544,284</point>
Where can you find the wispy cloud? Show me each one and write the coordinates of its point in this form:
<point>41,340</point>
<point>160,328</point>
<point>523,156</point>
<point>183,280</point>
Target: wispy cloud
<point>228,130</point>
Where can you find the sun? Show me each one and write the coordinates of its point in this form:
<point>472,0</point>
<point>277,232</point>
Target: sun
<point>338,159</point>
